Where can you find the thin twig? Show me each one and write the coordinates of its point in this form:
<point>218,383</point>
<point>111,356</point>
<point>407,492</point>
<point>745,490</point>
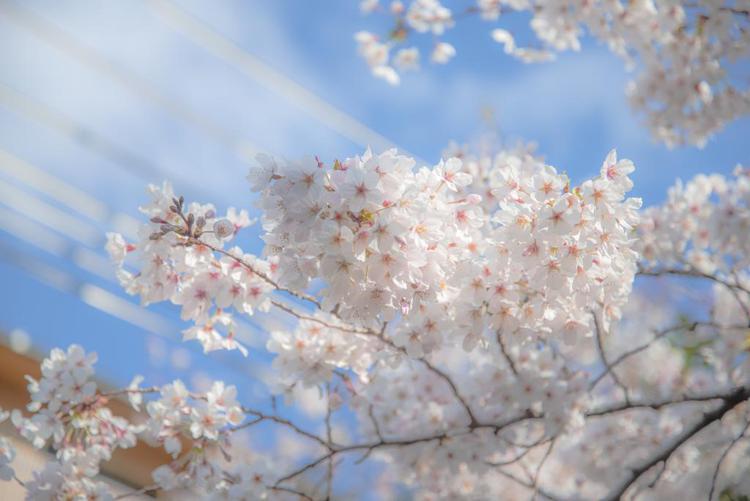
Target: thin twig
<point>302,316</point>
<point>287,423</point>
<point>602,354</point>
<point>142,490</point>
<point>371,413</point>
<point>329,473</point>
<point>302,495</point>
<point>691,272</point>
<point>255,271</point>
<point>539,467</point>
<point>503,350</point>
<point>519,456</point>
<point>715,476</point>
<point>657,335</point>
<point>526,484</point>
<point>472,418</point>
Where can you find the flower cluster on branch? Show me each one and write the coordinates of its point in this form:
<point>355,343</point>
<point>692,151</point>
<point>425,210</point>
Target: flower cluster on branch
<point>476,317</point>
<point>687,52</point>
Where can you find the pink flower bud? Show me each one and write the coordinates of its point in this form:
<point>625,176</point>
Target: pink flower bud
<point>474,199</point>
<point>223,228</point>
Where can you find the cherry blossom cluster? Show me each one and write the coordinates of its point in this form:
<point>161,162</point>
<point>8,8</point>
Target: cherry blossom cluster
<point>397,403</point>
<point>690,369</point>
<point>656,398</point>
<point>181,258</point>
<point>400,253</point>
<point>205,421</point>
<point>506,248</point>
<point>408,260</point>
<point>70,415</point>
<point>311,353</point>
<point>703,226</point>
<point>687,51</point>
<point>693,378</point>
<point>701,231</point>
<point>476,317</point>
<point>417,250</point>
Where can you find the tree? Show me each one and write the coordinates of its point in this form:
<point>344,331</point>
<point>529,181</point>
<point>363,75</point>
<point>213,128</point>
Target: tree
<point>476,318</point>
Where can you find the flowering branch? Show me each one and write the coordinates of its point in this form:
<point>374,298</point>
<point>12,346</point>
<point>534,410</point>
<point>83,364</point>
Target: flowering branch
<point>686,51</point>
<point>453,320</point>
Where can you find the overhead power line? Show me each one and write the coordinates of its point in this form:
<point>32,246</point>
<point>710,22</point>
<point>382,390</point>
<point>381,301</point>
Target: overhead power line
<point>29,107</point>
<point>34,109</point>
<point>225,49</point>
<point>60,40</point>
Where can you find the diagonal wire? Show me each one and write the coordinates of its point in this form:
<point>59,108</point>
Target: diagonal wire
<point>62,41</point>
<point>227,50</point>
<point>29,107</point>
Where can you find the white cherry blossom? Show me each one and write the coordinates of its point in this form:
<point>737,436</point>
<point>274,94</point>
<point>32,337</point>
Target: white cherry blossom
<point>688,55</point>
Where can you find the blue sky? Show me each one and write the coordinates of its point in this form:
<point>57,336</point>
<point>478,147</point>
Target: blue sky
<point>150,103</point>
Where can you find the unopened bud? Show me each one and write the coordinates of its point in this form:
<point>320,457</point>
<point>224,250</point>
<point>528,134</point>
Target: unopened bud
<point>474,199</point>
<point>335,401</point>
<point>210,214</point>
<point>223,228</point>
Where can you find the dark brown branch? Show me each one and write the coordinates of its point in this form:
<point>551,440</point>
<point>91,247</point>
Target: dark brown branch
<point>329,436</point>
<point>691,272</point>
<point>657,335</point>
<point>333,450</point>
<point>658,404</point>
<point>302,495</point>
<point>731,445</point>
<point>505,353</point>
<point>255,271</point>
<point>472,418</point>
<point>526,484</point>
<point>310,318</point>
<point>374,420</point>
<point>539,467</point>
<point>729,402</point>
<point>735,396</point>
<point>285,422</point>
<point>609,368</point>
